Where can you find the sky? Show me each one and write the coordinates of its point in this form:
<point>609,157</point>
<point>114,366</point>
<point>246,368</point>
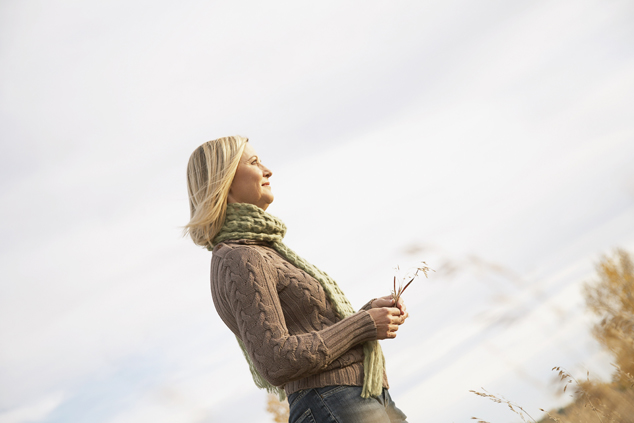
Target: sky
<point>493,140</point>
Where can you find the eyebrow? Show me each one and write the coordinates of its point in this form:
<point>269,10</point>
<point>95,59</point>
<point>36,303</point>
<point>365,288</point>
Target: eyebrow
<point>251,158</point>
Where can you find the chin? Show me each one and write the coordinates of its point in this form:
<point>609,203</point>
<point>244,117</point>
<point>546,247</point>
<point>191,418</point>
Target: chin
<point>267,202</point>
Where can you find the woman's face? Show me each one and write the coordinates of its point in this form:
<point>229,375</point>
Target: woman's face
<point>251,181</point>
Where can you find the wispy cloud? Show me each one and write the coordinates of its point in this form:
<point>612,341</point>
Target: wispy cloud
<point>501,131</point>
<point>34,412</point>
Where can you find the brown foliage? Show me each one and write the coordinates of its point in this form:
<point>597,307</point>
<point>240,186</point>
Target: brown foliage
<point>277,408</point>
<point>596,403</point>
<point>611,297</point>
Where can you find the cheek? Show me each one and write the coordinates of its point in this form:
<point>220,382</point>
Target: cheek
<point>256,177</point>
<point>242,183</point>
<point>252,182</point>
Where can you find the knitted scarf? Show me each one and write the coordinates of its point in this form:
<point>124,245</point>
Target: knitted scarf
<point>247,221</point>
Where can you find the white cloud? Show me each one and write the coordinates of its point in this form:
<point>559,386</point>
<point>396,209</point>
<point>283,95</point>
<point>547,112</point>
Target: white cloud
<point>34,412</point>
<point>501,131</point>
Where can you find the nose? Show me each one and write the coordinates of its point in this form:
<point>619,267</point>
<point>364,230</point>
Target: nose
<point>267,172</point>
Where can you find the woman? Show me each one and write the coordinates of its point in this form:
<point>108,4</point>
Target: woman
<point>298,332</point>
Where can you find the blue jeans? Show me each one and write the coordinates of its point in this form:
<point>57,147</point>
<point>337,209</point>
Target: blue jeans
<point>342,404</point>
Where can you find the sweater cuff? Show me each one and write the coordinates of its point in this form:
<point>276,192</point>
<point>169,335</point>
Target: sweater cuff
<point>367,306</point>
<point>352,330</point>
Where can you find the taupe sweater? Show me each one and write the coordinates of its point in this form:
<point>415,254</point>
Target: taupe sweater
<point>284,319</point>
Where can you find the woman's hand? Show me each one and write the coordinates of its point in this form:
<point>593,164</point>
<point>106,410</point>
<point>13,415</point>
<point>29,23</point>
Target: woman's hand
<point>388,301</point>
<point>387,321</point>
<point>387,318</point>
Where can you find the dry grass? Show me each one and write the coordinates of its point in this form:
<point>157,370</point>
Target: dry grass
<point>411,275</point>
<point>611,298</point>
<point>516,408</point>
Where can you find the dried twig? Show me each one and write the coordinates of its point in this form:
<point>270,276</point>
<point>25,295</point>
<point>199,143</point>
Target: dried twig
<point>421,267</point>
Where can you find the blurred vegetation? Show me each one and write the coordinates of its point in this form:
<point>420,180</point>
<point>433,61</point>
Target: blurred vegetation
<point>610,296</point>
<point>278,410</point>
<point>612,299</point>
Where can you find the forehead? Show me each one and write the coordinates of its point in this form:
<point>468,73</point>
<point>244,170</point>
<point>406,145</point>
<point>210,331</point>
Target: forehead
<point>249,151</point>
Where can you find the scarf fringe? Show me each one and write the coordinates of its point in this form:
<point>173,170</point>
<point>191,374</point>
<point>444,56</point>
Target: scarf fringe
<point>260,382</point>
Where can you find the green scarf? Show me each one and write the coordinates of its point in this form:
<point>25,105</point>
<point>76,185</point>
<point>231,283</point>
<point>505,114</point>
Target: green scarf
<point>247,221</point>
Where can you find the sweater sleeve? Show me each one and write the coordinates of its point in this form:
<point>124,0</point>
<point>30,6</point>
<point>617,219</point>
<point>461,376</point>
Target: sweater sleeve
<point>367,306</point>
<point>251,292</point>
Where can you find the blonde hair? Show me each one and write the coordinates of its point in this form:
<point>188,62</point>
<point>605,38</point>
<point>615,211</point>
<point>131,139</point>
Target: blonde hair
<point>210,171</point>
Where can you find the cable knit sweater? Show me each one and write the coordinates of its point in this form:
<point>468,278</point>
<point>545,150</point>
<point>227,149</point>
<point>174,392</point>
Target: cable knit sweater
<point>282,315</point>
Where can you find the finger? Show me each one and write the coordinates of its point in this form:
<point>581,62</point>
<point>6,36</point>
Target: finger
<point>382,302</point>
<point>393,311</point>
<point>396,320</point>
